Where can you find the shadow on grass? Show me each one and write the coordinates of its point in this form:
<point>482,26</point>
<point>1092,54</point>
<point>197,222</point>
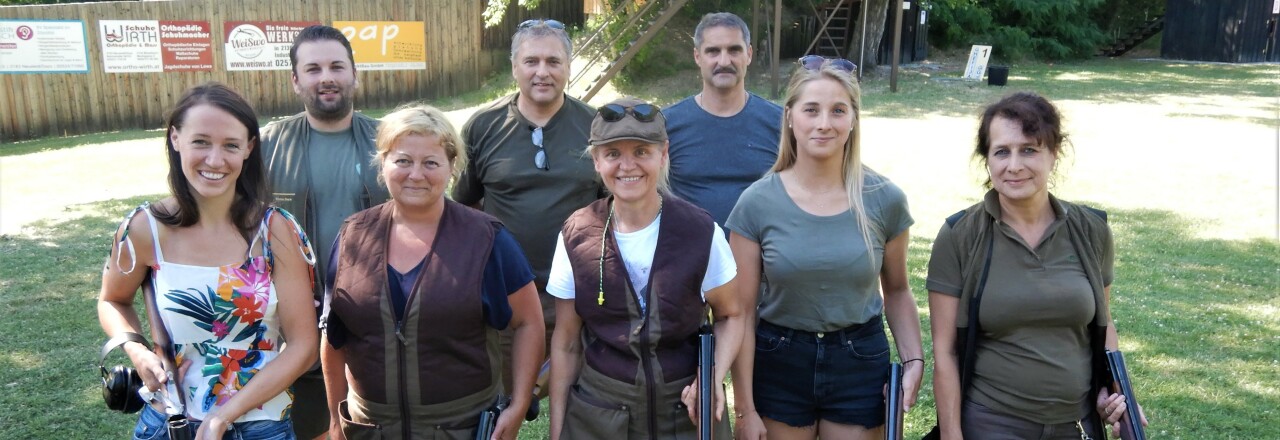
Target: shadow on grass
<point>1198,321</point>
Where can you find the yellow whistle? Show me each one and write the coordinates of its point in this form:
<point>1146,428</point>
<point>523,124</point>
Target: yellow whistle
<point>600,299</point>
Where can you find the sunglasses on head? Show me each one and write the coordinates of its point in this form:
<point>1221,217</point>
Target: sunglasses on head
<point>554,24</point>
<point>815,62</point>
<point>642,112</point>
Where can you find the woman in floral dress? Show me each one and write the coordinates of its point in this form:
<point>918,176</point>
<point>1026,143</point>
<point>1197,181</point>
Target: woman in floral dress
<point>231,276</point>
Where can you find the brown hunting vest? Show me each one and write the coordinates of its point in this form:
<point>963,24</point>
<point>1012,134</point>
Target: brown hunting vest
<point>443,350</point>
<point>618,340</point>
<point>636,364</point>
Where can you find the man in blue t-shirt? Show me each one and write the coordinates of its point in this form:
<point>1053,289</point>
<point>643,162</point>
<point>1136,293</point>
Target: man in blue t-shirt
<point>724,138</point>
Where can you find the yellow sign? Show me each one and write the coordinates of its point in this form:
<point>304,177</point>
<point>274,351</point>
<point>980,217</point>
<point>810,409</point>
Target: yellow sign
<point>386,45</point>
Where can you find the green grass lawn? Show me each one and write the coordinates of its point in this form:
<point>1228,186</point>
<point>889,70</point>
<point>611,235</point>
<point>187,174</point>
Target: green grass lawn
<point>1182,156</point>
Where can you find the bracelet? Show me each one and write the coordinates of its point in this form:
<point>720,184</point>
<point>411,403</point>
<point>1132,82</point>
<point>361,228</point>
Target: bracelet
<point>921,361</point>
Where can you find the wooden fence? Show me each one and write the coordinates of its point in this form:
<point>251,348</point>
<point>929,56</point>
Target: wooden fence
<point>460,55</point>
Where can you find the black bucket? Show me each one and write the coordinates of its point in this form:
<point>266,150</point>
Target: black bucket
<point>997,75</point>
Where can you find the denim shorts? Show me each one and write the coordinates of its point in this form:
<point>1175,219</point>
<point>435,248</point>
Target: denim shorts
<point>151,426</point>
<point>802,377</point>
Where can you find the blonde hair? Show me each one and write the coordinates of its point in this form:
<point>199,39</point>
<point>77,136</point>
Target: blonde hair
<point>421,120</point>
<point>854,171</point>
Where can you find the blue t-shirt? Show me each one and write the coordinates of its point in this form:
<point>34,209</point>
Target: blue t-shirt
<point>505,273</point>
<point>713,159</point>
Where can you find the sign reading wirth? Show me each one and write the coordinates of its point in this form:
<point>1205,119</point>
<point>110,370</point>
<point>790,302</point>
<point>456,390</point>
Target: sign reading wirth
<point>155,46</point>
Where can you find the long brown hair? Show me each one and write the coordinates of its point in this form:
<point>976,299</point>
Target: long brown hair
<point>253,194</point>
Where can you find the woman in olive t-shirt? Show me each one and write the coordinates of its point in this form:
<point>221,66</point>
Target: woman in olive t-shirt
<point>1043,315</point>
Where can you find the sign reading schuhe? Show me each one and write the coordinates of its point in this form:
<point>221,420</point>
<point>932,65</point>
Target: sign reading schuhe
<point>43,46</point>
<point>155,46</point>
<point>260,45</point>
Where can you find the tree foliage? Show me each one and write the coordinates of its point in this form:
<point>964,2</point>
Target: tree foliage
<point>495,10</point>
<point>1047,29</point>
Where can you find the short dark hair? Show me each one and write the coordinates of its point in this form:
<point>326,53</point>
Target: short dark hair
<point>318,32</point>
<point>1039,118</point>
<point>252,191</point>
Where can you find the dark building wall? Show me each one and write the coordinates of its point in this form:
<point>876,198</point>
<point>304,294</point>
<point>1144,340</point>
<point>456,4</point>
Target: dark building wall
<point>1232,31</point>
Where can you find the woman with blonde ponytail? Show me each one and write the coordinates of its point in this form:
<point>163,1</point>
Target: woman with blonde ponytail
<point>821,248</point>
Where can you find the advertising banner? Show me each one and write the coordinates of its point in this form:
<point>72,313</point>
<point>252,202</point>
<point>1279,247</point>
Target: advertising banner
<point>386,45</point>
<point>130,45</point>
<point>43,46</point>
<point>155,46</point>
<point>260,45</point>
<point>186,46</point>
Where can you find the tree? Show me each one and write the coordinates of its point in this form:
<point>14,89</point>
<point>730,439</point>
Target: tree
<point>877,14</point>
<point>1059,29</point>
<point>495,10</point>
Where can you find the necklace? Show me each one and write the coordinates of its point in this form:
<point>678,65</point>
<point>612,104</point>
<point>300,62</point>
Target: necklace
<point>604,238</point>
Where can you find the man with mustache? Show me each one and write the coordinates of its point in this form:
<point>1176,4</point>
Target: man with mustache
<point>318,161</point>
<point>725,137</point>
<point>526,164</point>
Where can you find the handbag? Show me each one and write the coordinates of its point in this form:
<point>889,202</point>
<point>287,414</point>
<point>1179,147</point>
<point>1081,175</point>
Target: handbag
<point>969,340</point>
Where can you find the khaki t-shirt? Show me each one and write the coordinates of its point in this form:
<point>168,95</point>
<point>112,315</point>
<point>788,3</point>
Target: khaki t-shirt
<point>1033,357</point>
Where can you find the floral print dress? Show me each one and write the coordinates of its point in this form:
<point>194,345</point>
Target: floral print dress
<point>223,320</point>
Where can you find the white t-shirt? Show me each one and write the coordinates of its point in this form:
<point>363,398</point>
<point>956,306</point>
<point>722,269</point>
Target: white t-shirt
<point>637,249</point>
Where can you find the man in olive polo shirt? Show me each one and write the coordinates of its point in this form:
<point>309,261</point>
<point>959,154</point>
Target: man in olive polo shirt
<point>526,163</point>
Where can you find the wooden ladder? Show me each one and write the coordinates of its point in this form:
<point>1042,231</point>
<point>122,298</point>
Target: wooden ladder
<point>832,37</point>
<point>1135,37</point>
<point>650,23</point>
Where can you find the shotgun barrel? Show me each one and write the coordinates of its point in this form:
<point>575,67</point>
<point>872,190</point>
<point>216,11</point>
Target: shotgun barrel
<point>706,374</point>
<point>1130,422</point>
<point>893,404</point>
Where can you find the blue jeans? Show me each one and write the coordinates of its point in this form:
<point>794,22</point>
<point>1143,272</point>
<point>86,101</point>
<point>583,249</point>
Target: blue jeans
<point>151,426</point>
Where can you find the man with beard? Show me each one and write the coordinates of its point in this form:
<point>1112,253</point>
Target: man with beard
<point>725,137</point>
<point>526,163</point>
<point>319,166</point>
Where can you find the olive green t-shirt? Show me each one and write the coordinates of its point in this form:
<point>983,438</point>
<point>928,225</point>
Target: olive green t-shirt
<point>1033,357</point>
<point>335,166</point>
<point>531,202</point>
<point>818,274</point>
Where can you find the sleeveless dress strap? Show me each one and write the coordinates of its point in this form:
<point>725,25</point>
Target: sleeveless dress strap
<point>127,242</point>
<point>155,236</point>
<point>304,244</point>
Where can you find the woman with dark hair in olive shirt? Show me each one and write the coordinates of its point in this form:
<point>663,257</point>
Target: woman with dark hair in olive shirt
<point>1043,302</point>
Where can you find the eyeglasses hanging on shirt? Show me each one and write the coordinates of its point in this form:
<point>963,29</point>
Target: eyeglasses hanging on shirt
<point>539,158</point>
